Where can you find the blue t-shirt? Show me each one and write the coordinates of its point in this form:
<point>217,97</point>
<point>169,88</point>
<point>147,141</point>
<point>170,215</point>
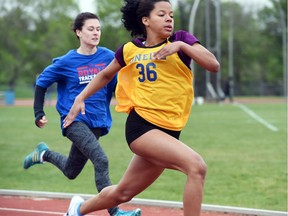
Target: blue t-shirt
<point>72,72</point>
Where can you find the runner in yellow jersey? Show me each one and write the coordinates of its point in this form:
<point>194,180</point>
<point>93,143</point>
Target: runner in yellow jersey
<point>155,89</point>
<point>145,84</point>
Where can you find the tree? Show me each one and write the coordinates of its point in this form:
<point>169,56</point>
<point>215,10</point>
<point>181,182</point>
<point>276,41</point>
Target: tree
<point>12,46</point>
<point>274,22</point>
<point>36,31</point>
<point>113,32</point>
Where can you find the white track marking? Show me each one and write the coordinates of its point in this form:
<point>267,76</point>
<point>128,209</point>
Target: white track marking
<point>31,211</point>
<point>256,117</point>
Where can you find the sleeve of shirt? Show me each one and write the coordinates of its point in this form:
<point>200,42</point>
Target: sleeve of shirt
<point>38,106</point>
<point>188,38</point>
<point>119,56</point>
<point>50,74</point>
<point>185,37</point>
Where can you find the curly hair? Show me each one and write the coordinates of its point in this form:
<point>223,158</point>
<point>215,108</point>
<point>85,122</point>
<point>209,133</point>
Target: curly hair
<point>132,13</point>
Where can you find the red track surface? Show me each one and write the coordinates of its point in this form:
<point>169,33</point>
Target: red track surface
<point>27,206</point>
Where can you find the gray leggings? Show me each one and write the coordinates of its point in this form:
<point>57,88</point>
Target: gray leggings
<point>84,146</point>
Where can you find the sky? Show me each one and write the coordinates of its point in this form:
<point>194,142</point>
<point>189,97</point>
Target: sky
<point>89,5</point>
<point>254,4</point>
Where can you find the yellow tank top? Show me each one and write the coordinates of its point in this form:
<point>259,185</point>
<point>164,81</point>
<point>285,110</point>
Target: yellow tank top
<point>160,91</point>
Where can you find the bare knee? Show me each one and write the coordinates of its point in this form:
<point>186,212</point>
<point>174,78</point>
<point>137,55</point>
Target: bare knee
<point>123,196</point>
<point>116,195</point>
<point>198,168</point>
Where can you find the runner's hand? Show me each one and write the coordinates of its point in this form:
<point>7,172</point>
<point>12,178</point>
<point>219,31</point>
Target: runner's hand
<point>42,122</point>
<point>167,50</point>
<point>78,106</point>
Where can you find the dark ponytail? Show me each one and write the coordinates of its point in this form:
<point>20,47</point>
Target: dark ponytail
<point>131,21</point>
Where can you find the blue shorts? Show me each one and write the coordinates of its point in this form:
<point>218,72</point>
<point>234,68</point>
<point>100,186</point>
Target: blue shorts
<point>136,126</point>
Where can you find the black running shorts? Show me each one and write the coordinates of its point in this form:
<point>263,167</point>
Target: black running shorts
<point>137,126</point>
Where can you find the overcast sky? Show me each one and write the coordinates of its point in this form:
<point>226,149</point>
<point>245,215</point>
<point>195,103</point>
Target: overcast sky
<point>89,5</point>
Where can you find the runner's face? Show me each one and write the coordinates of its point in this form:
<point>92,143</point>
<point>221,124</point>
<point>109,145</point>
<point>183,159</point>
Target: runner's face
<point>90,33</point>
<point>160,20</point>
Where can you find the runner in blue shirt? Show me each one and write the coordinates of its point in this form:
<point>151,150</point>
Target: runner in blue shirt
<point>72,72</point>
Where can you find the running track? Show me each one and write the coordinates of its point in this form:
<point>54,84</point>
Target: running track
<point>29,206</point>
<point>32,203</point>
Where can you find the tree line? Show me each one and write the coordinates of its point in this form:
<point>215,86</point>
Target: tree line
<point>34,32</point>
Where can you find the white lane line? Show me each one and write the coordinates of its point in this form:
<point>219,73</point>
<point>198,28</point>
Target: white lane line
<point>256,117</point>
<point>31,211</point>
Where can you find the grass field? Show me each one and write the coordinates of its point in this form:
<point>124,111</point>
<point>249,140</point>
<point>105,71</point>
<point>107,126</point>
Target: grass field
<point>247,162</point>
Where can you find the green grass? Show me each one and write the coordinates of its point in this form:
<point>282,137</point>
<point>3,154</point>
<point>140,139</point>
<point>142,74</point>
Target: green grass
<point>24,90</point>
<point>247,162</point>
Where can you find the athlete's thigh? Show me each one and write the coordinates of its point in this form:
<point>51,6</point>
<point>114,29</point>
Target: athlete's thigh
<point>76,157</point>
<point>139,175</point>
<point>165,151</point>
<point>85,140</point>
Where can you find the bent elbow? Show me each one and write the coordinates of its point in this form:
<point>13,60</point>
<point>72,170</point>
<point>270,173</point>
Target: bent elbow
<point>214,67</point>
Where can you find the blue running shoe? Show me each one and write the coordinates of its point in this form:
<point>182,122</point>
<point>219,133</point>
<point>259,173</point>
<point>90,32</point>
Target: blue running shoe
<point>136,212</point>
<point>35,156</point>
